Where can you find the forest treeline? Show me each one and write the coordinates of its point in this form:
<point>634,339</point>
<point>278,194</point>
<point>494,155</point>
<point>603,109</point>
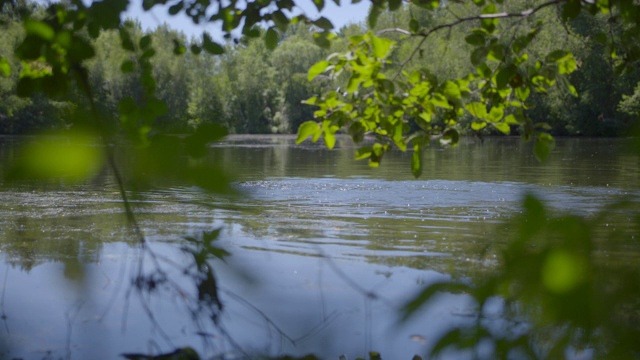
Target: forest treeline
<point>248,88</point>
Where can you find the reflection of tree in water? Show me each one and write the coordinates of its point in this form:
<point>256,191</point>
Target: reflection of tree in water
<point>43,230</point>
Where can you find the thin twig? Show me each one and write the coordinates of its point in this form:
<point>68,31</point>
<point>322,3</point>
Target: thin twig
<point>261,313</point>
<point>3,316</point>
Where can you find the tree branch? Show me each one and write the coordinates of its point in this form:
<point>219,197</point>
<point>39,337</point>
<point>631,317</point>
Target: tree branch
<point>502,15</point>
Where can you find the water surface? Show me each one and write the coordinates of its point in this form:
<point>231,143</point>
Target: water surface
<point>325,250</point>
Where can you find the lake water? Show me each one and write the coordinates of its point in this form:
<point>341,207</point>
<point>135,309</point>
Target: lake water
<point>324,250</point>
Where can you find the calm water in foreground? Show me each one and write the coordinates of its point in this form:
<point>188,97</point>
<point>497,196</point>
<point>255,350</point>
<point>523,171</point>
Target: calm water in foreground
<point>324,250</point>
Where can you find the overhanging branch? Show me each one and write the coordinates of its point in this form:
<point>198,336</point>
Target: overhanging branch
<point>425,34</point>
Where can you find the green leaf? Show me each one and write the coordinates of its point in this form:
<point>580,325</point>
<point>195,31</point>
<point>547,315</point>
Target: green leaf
<point>496,113</point>
<point>450,137</point>
<point>125,39</point>
<point>380,46</point>
<point>196,144</point>
<point>329,140</point>
<point>210,46</point>
<point>571,9</point>
<point>317,69</point>
<point>477,109</point>
<point>543,146</point>
<point>567,65</point>
<point>282,22</point>
<point>73,159</point>
<point>5,68</point>
<point>478,125</point>
<point>451,90</point>
<point>174,9</point>
<point>364,152</point>
<point>479,55</point>
<point>386,86</point>
<point>323,39</point>
<point>556,55</point>
<point>414,26</point>
<point>489,24</point>
<point>310,101</point>
<point>504,75</point>
<point>441,101</point>
<point>39,29</point>
<point>271,38</point>
<point>427,4</point>
<point>127,66</point>
<point>394,4</point>
<point>145,42</point>
<point>178,47</point>
<point>397,136</point>
<point>475,39</point>
<point>323,23</point>
<point>79,50</point>
<point>511,120</point>
<point>195,49</point>
<point>562,271</point>
<point>306,129</point>
<point>522,93</point>
<point>374,13</point>
<point>503,127</point>
<point>319,4</point>
<point>156,107</point>
<point>496,53</point>
<point>484,70</point>
<point>416,161</point>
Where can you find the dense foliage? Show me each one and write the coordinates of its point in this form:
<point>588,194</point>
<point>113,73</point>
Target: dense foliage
<point>203,82</point>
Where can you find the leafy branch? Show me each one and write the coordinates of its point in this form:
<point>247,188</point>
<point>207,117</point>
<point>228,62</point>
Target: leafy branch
<point>490,16</point>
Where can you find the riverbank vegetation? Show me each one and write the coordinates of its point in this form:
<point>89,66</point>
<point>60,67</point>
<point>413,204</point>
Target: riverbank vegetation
<point>248,88</point>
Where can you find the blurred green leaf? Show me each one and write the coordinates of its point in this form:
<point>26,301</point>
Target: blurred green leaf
<point>127,66</point>
<point>414,26</point>
<point>74,156</point>
<point>416,161</point>
<point>571,9</point>
<point>196,143</point>
<point>319,4</point>
<point>5,67</point>
<point>374,13</point>
<point>323,23</point>
<point>563,271</point>
<point>271,38</point>
<point>543,146</point>
<point>210,46</point>
<point>450,137</point>
<point>145,42</point>
<point>39,29</point>
<point>317,69</point>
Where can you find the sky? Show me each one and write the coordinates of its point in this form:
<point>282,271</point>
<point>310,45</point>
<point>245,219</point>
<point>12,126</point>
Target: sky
<point>339,16</point>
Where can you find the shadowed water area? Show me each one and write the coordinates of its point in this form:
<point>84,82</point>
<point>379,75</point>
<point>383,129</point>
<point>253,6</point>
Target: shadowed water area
<point>324,250</point>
